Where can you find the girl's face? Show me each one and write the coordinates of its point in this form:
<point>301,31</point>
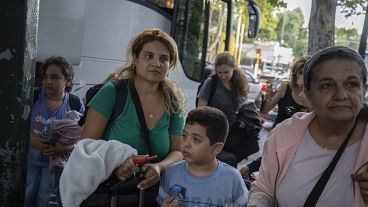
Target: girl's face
<point>153,62</point>
<point>224,72</point>
<point>299,77</point>
<point>54,81</point>
<point>337,90</point>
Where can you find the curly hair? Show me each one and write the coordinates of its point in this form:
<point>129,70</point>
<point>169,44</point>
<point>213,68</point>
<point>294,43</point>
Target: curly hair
<point>173,95</point>
<point>238,82</point>
<point>64,65</point>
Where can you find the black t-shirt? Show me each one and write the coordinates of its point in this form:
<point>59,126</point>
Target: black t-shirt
<point>287,107</point>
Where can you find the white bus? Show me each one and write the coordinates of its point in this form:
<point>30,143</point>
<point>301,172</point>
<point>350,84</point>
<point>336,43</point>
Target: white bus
<point>95,34</point>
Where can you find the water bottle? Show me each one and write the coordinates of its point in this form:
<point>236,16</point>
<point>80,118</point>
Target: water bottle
<point>177,195</point>
<point>46,131</point>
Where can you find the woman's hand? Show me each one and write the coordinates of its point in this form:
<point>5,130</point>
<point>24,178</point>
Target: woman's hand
<point>38,142</point>
<point>127,169</point>
<point>362,179</point>
<point>245,171</point>
<point>242,124</point>
<point>151,174</point>
<point>57,148</point>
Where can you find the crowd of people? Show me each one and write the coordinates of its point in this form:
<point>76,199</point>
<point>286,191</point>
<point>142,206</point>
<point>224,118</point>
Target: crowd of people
<point>316,154</point>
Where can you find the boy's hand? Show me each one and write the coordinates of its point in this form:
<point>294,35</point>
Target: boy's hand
<point>245,171</point>
<point>38,142</point>
<point>151,174</point>
<point>169,202</point>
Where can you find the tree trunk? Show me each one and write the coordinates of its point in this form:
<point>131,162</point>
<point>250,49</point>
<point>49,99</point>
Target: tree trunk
<point>321,24</point>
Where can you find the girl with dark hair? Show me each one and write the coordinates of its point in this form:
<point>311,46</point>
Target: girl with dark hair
<point>230,97</point>
<point>51,102</point>
<point>232,89</point>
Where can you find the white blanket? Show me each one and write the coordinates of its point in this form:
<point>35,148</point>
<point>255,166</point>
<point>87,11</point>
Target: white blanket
<point>90,163</point>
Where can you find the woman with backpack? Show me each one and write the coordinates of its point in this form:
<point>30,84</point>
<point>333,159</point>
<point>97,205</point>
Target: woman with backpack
<point>153,53</point>
<point>230,95</point>
<point>52,101</point>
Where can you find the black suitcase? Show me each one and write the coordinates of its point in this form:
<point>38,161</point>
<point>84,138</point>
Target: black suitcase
<point>114,192</point>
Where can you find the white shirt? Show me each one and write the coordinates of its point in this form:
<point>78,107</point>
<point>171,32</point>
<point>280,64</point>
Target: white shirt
<point>306,168</point>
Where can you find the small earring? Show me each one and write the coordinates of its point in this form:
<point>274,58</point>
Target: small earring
<point>134,67</point>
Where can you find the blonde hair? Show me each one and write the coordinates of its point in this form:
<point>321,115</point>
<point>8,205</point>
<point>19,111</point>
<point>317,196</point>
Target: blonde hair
<point>173,95</point>
<point>297,65</point>
<point>238,83</point>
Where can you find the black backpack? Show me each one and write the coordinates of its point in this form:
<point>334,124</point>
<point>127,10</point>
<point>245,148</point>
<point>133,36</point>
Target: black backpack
<point>74,101</point>
<point>213,89</point>
<point>121,91</point>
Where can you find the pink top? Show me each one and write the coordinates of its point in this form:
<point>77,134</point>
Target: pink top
<point>279,150</point>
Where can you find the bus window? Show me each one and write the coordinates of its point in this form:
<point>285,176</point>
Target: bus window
<point>200,31</point>
<point>163,3</point>
<point>217,30</point>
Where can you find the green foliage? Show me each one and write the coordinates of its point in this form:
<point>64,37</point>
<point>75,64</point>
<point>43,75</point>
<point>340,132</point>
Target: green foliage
<point>277,3</point>
<point>291,33</point>
<point>347,37</point>
<point>352,7</point>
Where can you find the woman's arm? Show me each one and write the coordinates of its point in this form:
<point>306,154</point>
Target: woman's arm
<point>153,171</point>
<point>270,102</point>
<point>95,125</point>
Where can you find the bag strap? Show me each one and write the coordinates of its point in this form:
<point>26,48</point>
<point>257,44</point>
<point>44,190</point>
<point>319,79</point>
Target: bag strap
<point>74,102</point>
<point>321,184</point>
<point>213,87</point>
<point>121,93</point>
<point>142,120</point>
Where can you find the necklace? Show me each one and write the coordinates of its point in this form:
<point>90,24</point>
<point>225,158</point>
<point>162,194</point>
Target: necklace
<point>150,115</point>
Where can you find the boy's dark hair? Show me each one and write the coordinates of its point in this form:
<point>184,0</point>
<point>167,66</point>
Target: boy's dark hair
<point>214,120</point>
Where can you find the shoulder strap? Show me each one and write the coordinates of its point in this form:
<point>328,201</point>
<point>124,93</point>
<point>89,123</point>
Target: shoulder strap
<point>321,184</point>
<point>121,93</point>
<point>36,93</point>
<point>142,120</point>
<point>74,102</point>
<point>213,87</point>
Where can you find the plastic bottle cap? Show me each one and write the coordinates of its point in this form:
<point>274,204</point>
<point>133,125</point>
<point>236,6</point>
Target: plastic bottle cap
<point>177,188</point>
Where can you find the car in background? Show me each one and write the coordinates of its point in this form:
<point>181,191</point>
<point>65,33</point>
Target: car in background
<point>267,82</point>
<point>255,86</point>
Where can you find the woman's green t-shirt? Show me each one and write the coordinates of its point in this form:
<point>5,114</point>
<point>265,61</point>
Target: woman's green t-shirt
<point>127,129</point>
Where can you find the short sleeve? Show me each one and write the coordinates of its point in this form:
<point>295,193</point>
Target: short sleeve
<point>163,191</point>
<point>205,92</point>
<point>176,124</point>
<point>104,100</point>
<point>240,191</point>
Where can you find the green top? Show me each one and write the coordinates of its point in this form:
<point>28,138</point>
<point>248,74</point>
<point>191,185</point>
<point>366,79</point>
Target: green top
<point>127,129</point>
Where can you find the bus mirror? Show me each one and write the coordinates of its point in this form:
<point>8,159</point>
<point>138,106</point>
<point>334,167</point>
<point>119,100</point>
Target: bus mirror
<point>254,18</point>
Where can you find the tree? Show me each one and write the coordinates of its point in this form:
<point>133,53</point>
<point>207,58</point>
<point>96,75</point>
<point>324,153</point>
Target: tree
<point>291,33</point>
<point>321,25</point>
<point>322,20</point>
<point>347,37</point>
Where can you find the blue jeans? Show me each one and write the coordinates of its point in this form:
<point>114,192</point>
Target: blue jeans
<point>39,179</point>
